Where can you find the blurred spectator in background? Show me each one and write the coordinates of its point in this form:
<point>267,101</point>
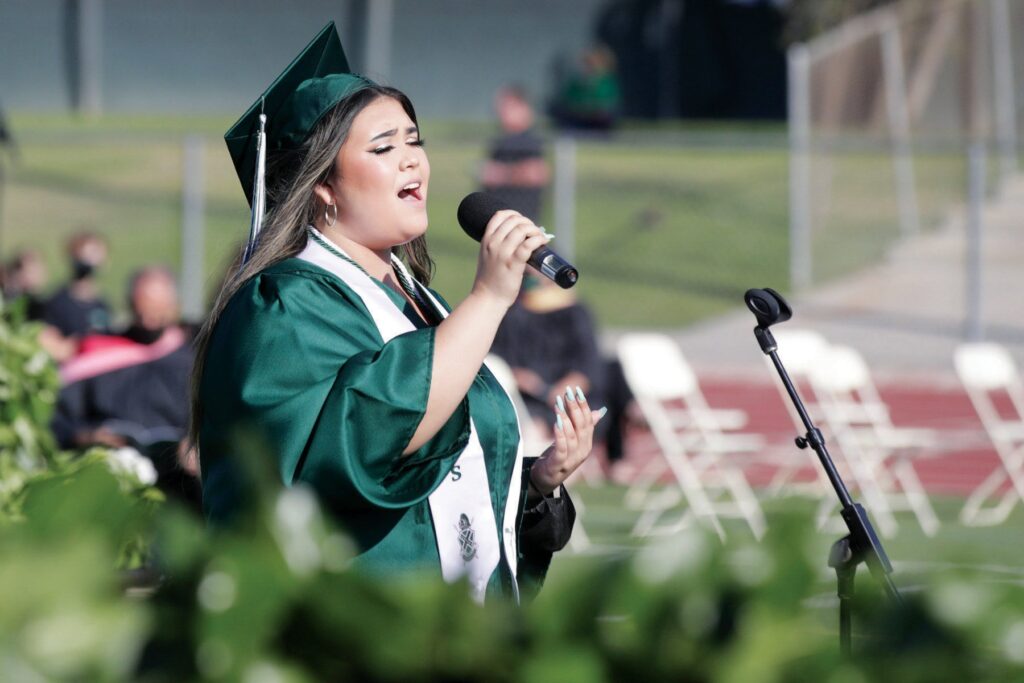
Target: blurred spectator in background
<point>516,170</point>
<point>24,278</point>
<point>77,309</point>
<point>132,389</point>
<point>589,97</point>
<point>22,282</point>
<point>549,340</point>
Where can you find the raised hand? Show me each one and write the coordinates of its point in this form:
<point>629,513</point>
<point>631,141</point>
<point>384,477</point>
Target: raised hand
<point>574,438</point>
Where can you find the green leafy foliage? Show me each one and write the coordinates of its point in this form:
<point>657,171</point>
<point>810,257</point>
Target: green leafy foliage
<point>65,615</point>
<point>276,598</point>
<point>28,392</point>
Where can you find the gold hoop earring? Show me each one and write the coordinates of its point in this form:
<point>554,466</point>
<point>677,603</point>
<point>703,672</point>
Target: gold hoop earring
<point>329,218</point>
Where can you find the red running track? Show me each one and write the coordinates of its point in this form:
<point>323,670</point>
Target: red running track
<point>953,472</point>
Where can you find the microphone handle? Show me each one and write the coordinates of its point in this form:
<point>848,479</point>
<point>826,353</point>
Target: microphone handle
<point>554,267</point>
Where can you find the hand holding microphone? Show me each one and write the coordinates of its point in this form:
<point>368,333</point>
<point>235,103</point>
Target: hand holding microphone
<point>482,216</point>
<point>505,246</point>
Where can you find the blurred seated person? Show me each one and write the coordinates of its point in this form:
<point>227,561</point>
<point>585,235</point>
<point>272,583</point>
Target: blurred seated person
<point>516,170</point>
<point>24,278</point>
<point>589,99</point>
<point>77,309</point>
<point>549,341</point>
<point>132,389</point>
<point>23,282</point>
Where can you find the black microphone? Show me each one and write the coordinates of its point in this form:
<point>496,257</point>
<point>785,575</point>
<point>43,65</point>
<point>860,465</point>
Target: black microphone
<point>476,211</point>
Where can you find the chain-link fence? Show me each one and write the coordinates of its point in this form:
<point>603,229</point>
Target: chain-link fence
<point>883,111</point>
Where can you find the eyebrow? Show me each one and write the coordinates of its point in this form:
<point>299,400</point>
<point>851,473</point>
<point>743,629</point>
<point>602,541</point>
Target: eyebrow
<point>393,131</point>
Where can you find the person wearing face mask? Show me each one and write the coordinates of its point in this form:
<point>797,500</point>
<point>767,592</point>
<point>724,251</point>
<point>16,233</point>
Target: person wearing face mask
<point>77,308</point>
<point>130,390</point>
<point>328,358</point>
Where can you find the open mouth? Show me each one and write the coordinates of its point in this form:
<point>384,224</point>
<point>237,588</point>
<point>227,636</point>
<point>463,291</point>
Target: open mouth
<point>412,192</point>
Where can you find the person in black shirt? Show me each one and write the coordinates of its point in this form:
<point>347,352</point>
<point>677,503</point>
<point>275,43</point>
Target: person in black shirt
<point>77,308</point>
<point>548,339</point>
<point>516,170</point>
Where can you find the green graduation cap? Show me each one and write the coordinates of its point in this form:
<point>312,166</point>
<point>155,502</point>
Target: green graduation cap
<point>316,80</point>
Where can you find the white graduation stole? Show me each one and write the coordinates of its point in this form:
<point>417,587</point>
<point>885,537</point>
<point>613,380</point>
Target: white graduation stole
<point>464,524</point>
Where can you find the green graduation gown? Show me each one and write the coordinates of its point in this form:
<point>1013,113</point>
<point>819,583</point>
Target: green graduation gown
<point>297,360</point>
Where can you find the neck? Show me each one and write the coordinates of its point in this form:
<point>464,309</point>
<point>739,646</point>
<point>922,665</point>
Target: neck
<point>376,262</point>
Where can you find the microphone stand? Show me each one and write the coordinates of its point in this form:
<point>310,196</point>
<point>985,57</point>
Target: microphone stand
<point>861,544</point>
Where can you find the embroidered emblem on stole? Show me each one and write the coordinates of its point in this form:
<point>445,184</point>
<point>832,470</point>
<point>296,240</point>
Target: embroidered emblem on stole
<point>466,538</point>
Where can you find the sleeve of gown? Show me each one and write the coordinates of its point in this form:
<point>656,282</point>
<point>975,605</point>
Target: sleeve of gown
<point>544,529</point>
<point>298,357</point>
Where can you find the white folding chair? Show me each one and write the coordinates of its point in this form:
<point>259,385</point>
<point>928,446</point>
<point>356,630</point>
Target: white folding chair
<point>534,442</point>
<point>991,379</point>
<point>879,456</point>
<point>693,440</point>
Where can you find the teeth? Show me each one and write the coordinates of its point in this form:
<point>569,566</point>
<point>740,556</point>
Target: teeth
<point>412,186</point>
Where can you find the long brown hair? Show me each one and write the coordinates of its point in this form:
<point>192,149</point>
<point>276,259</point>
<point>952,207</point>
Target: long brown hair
<point>291,177</point>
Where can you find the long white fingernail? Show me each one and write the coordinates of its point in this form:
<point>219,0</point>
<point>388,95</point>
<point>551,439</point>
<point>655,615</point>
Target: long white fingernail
<point>558,422</point>
<point>579,394</point>
<point>569,394</point>
<point>558,402</point>
<point>601,413</point>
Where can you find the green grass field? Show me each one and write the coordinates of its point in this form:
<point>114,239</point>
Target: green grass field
<point>671,225</point>
<point>673,221</point>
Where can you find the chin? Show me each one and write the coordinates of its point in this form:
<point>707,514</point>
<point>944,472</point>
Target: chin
<point>410,235</point>
<point>416,228</point>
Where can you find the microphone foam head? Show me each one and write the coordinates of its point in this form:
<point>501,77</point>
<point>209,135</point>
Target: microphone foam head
<point>476,210</point>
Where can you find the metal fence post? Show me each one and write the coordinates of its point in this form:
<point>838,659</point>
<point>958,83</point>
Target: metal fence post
<point>380,21</point>
<point>565,196</point>
<point>90,57</point>
<point>800,257</point>
<point>973,267</point>
<point>899,125</point>
<point>192,229</point>
<point>1004,91</point>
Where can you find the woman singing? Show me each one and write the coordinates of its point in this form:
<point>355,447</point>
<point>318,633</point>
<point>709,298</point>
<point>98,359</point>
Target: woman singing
<point>327,345</point>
